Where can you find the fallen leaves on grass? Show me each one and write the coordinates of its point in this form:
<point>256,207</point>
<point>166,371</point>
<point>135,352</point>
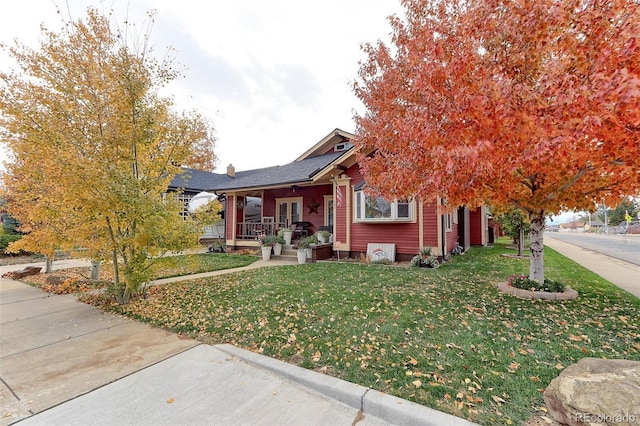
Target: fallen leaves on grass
<point>424,337</point>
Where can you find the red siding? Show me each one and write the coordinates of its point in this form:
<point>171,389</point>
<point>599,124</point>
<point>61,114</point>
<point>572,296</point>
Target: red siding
<point>475,225</point>
<point>310,195</point>
<point>340,222</point>
<point>431,219</point>
<point>451,238</point>
<point>406,236</point>
<point>403,235</point>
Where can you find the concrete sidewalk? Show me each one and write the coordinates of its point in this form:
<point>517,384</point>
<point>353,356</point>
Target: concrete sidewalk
<point>623,274</point>
<point>81,263</point>
<point>66,363</point>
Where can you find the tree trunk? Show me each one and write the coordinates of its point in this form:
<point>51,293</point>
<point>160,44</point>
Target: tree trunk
<point>95,270</point>
<point>116,279</point>
<point>48,264</point>
<point>520,240</point>
<point>536,235</point>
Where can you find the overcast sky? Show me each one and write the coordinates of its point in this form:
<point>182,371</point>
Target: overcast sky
<point>274,76</point>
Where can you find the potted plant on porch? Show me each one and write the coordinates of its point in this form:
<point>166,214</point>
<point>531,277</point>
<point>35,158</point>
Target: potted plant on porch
<point>323,236</point>
<point>313,239</point>
<point>303,245</point>
<point>279,241</point>
<point>266,243</point>
<point>287,233</point>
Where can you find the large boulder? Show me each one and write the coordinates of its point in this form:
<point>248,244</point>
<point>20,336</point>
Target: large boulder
<point>54,280</point>
<point>596,392</point>
<point>29,270</point>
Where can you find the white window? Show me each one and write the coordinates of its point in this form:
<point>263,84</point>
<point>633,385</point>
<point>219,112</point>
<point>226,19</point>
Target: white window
<point>328,210</point>
<point>448,222</point>
<point>369,208</point>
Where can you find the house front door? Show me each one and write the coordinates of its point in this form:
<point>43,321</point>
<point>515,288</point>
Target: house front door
<point>289,210</point>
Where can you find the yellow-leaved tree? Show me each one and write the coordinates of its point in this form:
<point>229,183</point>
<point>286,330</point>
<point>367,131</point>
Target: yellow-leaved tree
<point>93,147</point>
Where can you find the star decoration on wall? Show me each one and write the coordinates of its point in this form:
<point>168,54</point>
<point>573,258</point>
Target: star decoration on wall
<point>313,206</point>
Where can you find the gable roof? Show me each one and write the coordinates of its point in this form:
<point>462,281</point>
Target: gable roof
<point>305,169</point>
<point>336,136</point>
<point>297,172</point>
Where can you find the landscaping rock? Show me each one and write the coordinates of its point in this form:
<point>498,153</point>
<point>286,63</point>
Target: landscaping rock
<point>54,280</point>
<point>29,270</point>
<point>596,392</point>
<point>567,294</point>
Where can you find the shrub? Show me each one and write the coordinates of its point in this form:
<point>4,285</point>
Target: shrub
<point>425,259</point>
<point>267,240</point>
<point>7,239</point>
<point>10,224</point>
<point>522,282</point>
<point>306,242</point>
<point>425,252</point>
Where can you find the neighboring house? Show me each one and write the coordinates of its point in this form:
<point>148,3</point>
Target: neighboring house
<point>573,226</point>
<point>594,225</point>
<point>324,189</point>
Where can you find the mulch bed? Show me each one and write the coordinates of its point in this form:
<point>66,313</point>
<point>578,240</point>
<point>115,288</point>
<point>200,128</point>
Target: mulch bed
<point>68,281</point>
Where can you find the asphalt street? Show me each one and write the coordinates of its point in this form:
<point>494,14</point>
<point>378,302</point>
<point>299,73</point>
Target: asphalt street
<point>620,246</point>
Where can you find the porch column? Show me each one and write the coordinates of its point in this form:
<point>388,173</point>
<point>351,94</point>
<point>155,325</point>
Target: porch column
<point>342,214</point>
<point>231,220</point>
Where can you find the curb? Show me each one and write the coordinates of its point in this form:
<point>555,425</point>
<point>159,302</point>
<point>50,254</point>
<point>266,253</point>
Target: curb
<point>387,408</point>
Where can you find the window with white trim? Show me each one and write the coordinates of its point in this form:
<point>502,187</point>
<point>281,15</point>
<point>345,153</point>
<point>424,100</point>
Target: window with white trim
<point>328,210</point>
<point>448,222</point>
<point>289,210</point>
<point>370,208</point>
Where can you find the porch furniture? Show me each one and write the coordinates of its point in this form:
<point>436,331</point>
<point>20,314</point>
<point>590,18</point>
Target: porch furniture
<point>301,229</point>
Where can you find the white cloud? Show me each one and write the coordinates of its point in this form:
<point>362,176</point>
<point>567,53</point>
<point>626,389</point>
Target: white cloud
<point>274,77</point>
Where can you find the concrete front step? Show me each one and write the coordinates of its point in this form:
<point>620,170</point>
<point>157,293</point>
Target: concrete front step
<point>288,253</point>
<point>293,258</point>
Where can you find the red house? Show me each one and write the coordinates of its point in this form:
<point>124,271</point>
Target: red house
<point>323,189</point>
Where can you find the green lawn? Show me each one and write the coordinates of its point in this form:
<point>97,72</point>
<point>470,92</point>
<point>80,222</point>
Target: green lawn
<point>445,338</point>
<point>173,266</point>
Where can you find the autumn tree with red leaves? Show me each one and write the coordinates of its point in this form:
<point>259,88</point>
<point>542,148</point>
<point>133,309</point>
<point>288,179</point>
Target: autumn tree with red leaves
<point>526,104</point>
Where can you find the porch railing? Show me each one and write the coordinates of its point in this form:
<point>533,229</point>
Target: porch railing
<point>251,230</point>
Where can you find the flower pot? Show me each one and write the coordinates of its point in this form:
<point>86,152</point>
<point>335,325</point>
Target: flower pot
<point>266,253</point>
<point>321,239</point>
<point>309,253</point>
<point>277,249</point>
<point>302,256</point>
<point>287,237</point>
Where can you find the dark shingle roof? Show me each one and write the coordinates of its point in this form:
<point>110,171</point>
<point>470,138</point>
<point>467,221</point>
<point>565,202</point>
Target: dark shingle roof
<point>197,180</point>
<point>296,172</point>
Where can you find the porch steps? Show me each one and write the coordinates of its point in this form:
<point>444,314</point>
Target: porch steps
<point>289,252</point>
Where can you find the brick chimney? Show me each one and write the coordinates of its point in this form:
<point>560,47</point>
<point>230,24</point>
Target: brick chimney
<point>231,171</point>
